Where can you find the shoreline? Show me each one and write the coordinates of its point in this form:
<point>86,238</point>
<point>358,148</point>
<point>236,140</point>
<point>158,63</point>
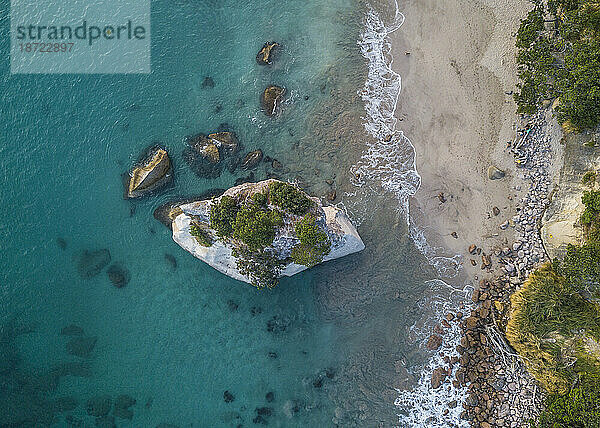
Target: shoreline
<point>456,106</point>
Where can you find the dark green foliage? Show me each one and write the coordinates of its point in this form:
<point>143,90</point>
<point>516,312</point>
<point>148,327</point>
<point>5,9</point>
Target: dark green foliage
<point>261,267</point>
<point>289,198</point>
<point>567,68</point>
<point>591,200</point>
<point>579,82</point>
<point>589,178</point>
<point>579,408</point>
<point>314,243</point>
<point>201,235</point>
<point>254,227</point>
<point>530,28</point>
<point>260,199</point>
<point>581,264</point>
<point>276,217</point>
<point>223,215</point>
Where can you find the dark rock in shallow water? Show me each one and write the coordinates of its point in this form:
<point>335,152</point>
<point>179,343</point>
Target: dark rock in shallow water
<point>318,382</point>
<point>106,422</point>
<point>62,244</point>
<point>72,330</point>
<point>81,346</point>
<point>226,142</point>
<point>264,56</point>
<point>166,213</point>
<point>73,422</point>
<point>248,179</point>
<point>208,83</point>
<point>270,99</point>
<point>203,157</point>
<point>273,355</point>
<point>118,275</point>
<point>153,171</point>
<point>228,397</point>
<point>270,397</point>
<point>255,310</point>
<point>277,324</point>
<point>171,260</point>
<point>260,420</point>
<point>123,413</point>
<point>264,411</point>
<point>64,404</point>
<point>233,306</point>
<point>91,263</point>
<point>98,406</point>
<point>124,401</point>
<point>252,159</point>
<point>330,372</point>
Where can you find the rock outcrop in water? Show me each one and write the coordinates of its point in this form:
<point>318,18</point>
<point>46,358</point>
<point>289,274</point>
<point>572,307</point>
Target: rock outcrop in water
<point>264,56</point>
<point>258,232</point>
<point>270,99</point>
<point>205,154</point>
<point>152,172</point>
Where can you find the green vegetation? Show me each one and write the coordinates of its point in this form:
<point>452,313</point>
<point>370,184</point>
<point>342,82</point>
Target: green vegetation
<point>201,235</point>
<point>589,178</point>
<point>289,198</point>
<point>262,267</point>
<point>254,227</point>
<point>579,408</point>
<point>223,215</point>
<point>547,327</point>
<point>314,243</point>
<point>566,66</point>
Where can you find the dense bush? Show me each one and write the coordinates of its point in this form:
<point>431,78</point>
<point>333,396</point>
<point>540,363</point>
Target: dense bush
<point>202,237</point>
<point>548,321</point>
<point>289,198</point>
<point>567,67</point>
<point>589,178</point>
<point>314,243</point>
<point>254,227</point>
<point>223,215</point>
<point>579,408</point>
<point>262,267</point>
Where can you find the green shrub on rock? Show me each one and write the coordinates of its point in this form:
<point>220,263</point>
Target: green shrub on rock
<point>289,198</point>
<point>589,178</point>
<point>262,267</point>
<point>314,243</point>
<point>223,215</point>
<point>201,236</point>
<point>254,227</point>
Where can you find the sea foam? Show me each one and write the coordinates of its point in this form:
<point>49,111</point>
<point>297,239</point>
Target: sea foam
<point>390,159</point>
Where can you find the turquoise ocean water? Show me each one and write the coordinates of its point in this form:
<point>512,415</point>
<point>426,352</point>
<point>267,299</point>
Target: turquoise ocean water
<point>176,339</point>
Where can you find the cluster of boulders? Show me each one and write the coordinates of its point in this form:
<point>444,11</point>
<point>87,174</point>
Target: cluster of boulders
<point>91,262</point>
<point>501,391</point>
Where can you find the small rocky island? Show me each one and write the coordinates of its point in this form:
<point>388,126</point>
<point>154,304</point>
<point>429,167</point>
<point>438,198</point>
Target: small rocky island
<point>258,232</point>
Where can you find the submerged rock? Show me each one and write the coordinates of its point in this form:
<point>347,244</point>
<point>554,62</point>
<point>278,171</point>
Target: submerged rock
<point>208,83</point>
<point>228,397</point>
<point>91,263</point>
<point>171,260</point>
<point>72,330</point>
<point>98,406</point>
<point>264,56</point>
<point>62,244</point>
<point>152,172</point>
<point>81,346</point>
<point>270,98</point>
<point>341,236</point>
<point>118,275</point>
<point>204,154</point>
<point>252,159</point>
<point>122,407</point>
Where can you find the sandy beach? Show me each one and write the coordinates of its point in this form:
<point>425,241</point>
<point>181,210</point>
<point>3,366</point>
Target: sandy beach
<point>457,62</point>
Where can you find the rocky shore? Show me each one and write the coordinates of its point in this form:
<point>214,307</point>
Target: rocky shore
<point>501,391</point>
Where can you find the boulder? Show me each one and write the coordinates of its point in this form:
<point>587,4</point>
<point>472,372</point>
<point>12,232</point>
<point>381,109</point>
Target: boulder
<point>434,342</point>
<point>495,173</point>
<point>264,56</point>
<point>343,237</point>
<point>270,98</point>
<point>151,173</point>
<point>226,142</point>
<point>252,159</point>
<point>438,377</point>
<point>91,263</point>
<point>208,83</point>
<point>203,157</point>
